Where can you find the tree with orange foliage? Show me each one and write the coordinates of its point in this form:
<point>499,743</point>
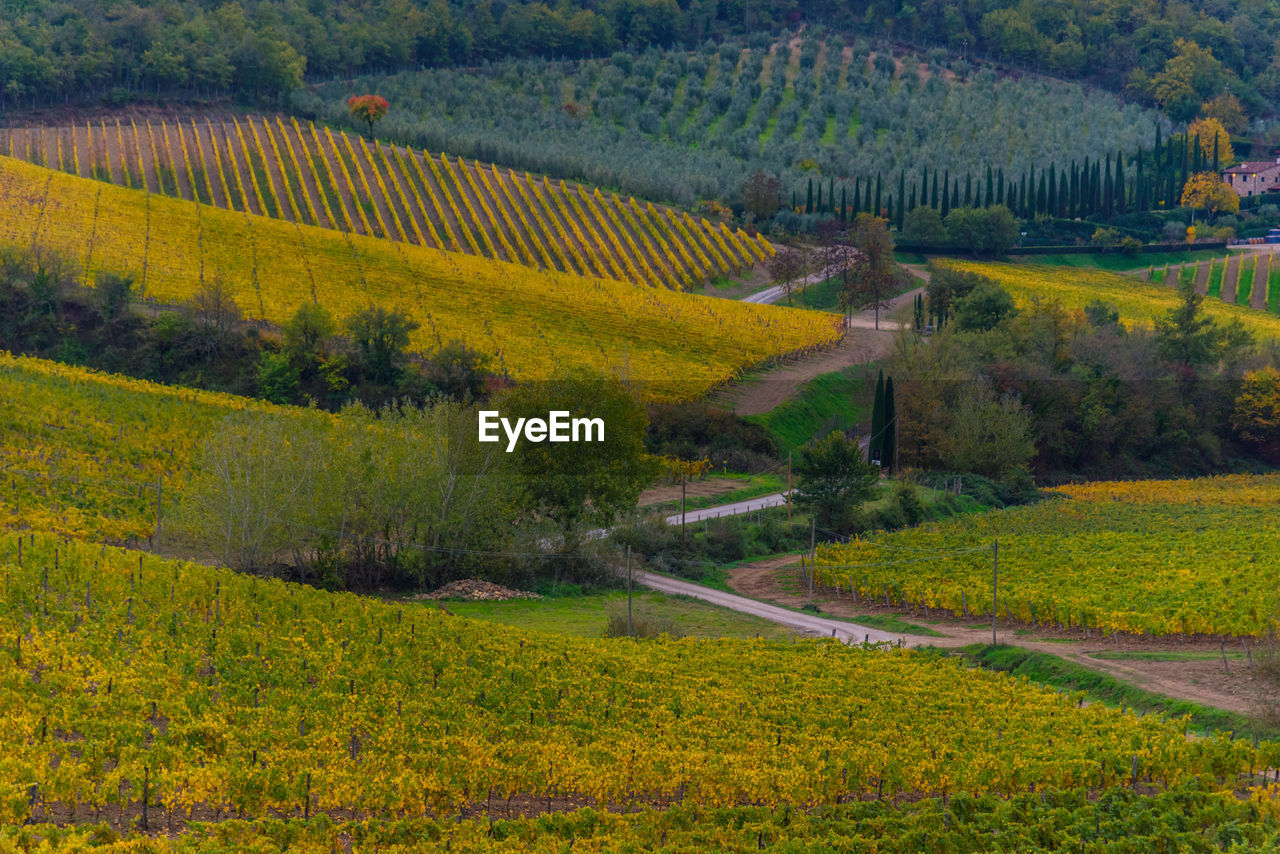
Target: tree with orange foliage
<point>368,108</point>
<point>1256,418</point>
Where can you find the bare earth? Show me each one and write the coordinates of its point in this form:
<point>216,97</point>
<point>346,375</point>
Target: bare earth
<point>1201,681</point>
<point>694,489</point>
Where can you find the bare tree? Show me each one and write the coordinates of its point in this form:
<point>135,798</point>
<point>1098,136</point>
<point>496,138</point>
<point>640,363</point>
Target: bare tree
<point>872,277</point>
<point>785,267</point>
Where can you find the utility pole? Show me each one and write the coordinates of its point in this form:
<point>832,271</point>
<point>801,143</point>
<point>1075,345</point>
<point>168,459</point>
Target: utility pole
<point>628,591</point>
<point>682,511</point>
<point>995,575</point>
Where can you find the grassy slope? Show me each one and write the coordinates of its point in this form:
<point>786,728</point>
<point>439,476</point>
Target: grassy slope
<point>1118,261</point>
<point>1137,301</point>
<point>585,616</point>
<point>820,400</point>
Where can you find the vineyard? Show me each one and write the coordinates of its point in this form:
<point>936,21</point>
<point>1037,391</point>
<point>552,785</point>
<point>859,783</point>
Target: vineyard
<point>91,455</point>
<point>313,176</point>
<point>1137,301</point>
<point>1243,278</point>
<point>531,322</point>
<point>1147,557</point>
<point>204,693</point>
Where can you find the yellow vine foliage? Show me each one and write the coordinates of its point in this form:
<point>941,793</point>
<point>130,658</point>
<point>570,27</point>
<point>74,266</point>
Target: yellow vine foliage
<point>533,322</point>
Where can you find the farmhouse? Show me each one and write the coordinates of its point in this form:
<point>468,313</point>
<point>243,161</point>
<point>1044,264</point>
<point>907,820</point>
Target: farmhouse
<point>1256,176</point>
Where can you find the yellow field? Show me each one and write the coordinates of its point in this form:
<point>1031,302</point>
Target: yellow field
<point>675,345</point>
<point>1137,301</point>
<point>281,169</point>
<point>1198,556</point>
<point>252,696</point>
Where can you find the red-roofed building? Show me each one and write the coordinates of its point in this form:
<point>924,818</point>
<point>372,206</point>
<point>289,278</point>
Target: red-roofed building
<point>1256,176</point>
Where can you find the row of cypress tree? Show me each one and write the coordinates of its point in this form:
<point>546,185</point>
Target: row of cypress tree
<point>1109,187</point>
<point>884,424</point>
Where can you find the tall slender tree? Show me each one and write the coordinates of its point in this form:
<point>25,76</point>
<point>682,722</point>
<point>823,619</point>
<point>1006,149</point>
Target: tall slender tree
<point>989,199</point>
<point>924,186</point>
<point>876,210</point>
<point>933,195</point>
<point>1052,201</point>
<point>808,202</point>
<point>844,209</point>
<point>968,190</point>
<point>890,443</point>
<point>875,445</point>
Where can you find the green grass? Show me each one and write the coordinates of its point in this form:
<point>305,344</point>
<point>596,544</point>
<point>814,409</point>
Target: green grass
<point>910,258</point>
<point>890,623</point>
<point>826,400</point>
<point>585,616</point>
<point>1273,289</point>
<point>1244,291</point>
<point>1215,278</point>
<point>820,296</point>
<point>1098,687</point>
<point>1187,274</point>
<point>828,132</point>
<point>752,486</point>
<point>1164,656</point>
<point>1118,260</point>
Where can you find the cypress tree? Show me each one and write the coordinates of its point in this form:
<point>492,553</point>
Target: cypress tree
<point>876,211</point>
<point>902,195</point>
<point>808,202</point>
<point>989,198</point>
<point>924,187</point>
<point>894,214</point>
<point>1197,155</point>
<point>1096,188</point>
<point>946,195</point>
<point>1062,193</point>
<point>933,196</point>
<point>1108,201</point>
<point>1073,192</point>
<point>890,425</point>
<point>1000,198</point>
<point>818,205</point>
<point>1052,201</point>
<point>831,193</point>
<point>1042,196</point>
<point>857,196</point>
<point>844,210</point>
<point>968,190</point>
<point>1216,168</point>
<point>1119,192</point>
<point>1031,186</point>
<point>955,194</point>
<point>912,204</point>
<point>793,199</point>
<point>876,444</point>
<point>1022,198</point>
<point>1156,161</point>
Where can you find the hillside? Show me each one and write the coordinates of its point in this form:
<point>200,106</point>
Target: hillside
<point>1136,300</point>
<point>1144,557</point>
<point>267,47</point>
<point>687,126</point>
<point>313,176</point>
<point>675,345</point>
<point>212,694</point>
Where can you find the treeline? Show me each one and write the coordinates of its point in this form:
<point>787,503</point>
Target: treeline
<point>1041,390</point>
<point>1105,186</point>
<point>315,359</point>
<point>1176,55</point>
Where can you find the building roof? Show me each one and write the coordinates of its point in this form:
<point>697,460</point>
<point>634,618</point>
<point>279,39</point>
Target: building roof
<point>1253,166</point>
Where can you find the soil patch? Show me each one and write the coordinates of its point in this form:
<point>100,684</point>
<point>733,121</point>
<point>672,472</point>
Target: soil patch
<point>695,489</point>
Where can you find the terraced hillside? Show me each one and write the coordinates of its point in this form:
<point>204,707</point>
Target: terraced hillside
<point>531,322</point>
<point>311,175</point>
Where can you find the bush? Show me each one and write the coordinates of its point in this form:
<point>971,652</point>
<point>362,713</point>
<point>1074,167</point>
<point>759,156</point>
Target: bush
<point>643,624</point>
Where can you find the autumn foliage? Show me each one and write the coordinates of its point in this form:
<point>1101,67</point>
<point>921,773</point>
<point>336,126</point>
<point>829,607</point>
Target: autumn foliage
<point>368,108</point>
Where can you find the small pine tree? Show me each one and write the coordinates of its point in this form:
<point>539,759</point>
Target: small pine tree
<point>890,444</point>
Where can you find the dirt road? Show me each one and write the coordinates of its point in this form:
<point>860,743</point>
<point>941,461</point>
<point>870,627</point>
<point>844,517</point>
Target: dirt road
<point>806,623</point>
<point>1198,676</point>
